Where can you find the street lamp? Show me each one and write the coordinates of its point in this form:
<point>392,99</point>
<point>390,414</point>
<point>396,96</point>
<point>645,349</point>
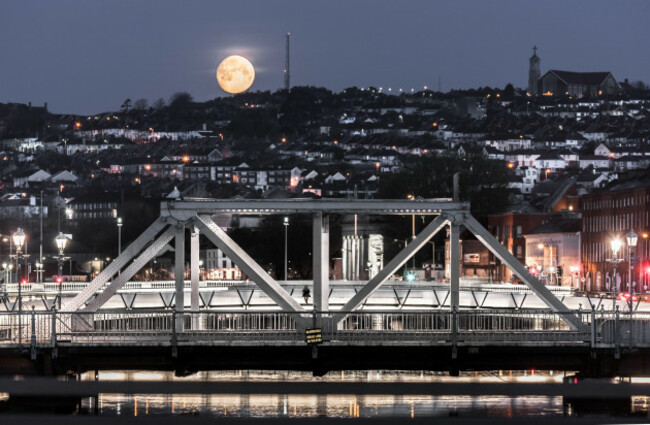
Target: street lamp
<point>616,246</point>
<point>632,239</point>
<point>19,240</point>
<point>119,235</point>
<point>61,242</point>
<point>286,231</point>
<point>39,271</point>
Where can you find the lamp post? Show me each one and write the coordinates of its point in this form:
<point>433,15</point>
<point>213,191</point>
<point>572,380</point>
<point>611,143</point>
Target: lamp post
<point>632,239</point>
<point>286,232</point>
<point>119,239</point>
<point>616,246</point>
<point>39,271</point>
<point>19,239</point>
<point>61,242</point>
<point>119,235</point>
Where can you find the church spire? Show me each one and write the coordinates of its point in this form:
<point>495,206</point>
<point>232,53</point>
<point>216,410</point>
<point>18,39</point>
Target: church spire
<point>534,73</point>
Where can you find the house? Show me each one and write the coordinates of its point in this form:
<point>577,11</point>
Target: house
<point>578,84</point>
<point>27,177</point>
<point>553,251</point>
<point>63,177</point>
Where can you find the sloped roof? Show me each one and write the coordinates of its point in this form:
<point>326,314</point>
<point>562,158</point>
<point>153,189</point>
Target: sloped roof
<point>566,225</point>
<point>583,78</point>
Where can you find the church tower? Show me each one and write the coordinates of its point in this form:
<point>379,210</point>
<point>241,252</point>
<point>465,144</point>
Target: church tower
<point>533,73</point>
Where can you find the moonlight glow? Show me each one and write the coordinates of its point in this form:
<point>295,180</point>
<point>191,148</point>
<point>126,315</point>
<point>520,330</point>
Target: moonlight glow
<point>235,74</point>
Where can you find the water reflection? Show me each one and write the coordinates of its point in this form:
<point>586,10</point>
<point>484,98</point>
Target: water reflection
<point>333,406</point>
<point>329,405</point>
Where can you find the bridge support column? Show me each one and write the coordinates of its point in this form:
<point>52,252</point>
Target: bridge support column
<point>454,281</point>
<point>179,275</point>
<point>321,259</point>
<point>454,262</point>
<point>194,277</point>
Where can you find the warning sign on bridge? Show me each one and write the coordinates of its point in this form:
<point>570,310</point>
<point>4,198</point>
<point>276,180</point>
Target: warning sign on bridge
<point>314,336</point>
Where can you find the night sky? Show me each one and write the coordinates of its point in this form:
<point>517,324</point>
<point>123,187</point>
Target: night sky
<point>88,56</point>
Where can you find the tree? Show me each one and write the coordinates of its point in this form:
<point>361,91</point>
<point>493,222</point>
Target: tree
<point>141,104</point>
<point>180,100</point>
<point>159,104</point>
<point>126,106</point>
<point>509,92</point>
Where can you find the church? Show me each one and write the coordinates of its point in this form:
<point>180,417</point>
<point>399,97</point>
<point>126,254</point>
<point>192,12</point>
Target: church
<point>568,83</point>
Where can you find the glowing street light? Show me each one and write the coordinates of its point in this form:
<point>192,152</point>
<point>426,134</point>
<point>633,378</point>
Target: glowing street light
<point>19,240</point>
<point>61,241</point>
<point>616,247</point>
<point>286,230</point>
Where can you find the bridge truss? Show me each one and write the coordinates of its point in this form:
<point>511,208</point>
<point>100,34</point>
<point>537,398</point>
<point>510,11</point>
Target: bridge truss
<point>196,216</point>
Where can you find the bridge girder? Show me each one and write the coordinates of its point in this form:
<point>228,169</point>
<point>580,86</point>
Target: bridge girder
<point>197,215</point>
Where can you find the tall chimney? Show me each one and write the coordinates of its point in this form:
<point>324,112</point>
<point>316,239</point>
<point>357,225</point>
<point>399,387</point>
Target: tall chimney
<point>287,82</point>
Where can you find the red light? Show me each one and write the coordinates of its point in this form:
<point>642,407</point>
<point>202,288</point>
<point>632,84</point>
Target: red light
<point>575,380</point>
<point>59,279</point>
<point>24,281</point>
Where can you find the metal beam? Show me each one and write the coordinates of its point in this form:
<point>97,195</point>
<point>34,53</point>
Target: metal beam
<point>147,255</point>
<point>400,259</point>
<point>233,251</point>
<point>194,276</point>
<point>454,263</point>
<point>179,275</point>
<point>520,271</point>
<point>131,251</point>
<point>183,210</point>
<point>321,260</point>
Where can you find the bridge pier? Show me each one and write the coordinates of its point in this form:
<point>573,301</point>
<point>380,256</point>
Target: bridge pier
<point>194,277</point>
<point>179,275</point>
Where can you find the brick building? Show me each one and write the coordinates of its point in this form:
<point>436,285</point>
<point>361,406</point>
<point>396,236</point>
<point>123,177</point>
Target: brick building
<point>509,229</point>
<point>611,213</point>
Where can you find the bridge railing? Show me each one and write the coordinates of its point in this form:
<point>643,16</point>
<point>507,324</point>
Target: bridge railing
<point>469,327</point>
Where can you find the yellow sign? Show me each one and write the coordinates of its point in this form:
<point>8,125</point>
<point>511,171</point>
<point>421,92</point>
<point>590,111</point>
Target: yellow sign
<point>314,336</point>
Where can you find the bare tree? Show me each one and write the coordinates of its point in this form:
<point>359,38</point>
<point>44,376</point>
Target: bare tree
<point>159,104</point>
<point>141,104</point>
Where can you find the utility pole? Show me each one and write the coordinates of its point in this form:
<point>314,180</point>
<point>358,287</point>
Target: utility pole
<point>287,81</point>
<point>40,252</point>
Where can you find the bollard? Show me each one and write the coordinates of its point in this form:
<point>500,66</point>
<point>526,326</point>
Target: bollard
<point>174,338</point>
<point>33,339</point>
<point>617,348</point>
<point>593,327</point>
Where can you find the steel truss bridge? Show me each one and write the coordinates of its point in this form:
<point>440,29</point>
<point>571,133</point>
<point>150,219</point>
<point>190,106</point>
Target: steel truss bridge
<point>114,323</point>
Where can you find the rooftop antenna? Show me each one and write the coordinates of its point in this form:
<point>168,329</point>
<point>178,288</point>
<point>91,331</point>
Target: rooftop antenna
<point>287,83</point>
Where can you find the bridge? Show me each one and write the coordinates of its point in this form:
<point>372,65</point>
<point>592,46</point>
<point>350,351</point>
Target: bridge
<point>114,323</point>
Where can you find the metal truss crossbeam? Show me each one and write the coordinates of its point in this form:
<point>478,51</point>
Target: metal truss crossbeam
<point>518,269</point>
<point>400,259</point>
<point>233,251</point>
<point>184,210</point>
<point>116,265</point>
<point>146,256</point>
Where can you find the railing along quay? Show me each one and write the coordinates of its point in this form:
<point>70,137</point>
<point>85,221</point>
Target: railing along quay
<point>48,329</point>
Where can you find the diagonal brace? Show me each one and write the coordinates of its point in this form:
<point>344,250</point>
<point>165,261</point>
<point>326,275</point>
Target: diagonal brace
<point>233,251</point>
<point>400,259</point>
<point>518,269</point>
<point>146,256</point>
<point>131,251</point>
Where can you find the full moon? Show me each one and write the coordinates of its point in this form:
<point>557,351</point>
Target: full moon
<point>235,74</point>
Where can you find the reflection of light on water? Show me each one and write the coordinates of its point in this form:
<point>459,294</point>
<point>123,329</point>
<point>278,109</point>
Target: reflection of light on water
<point>330,405</point>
